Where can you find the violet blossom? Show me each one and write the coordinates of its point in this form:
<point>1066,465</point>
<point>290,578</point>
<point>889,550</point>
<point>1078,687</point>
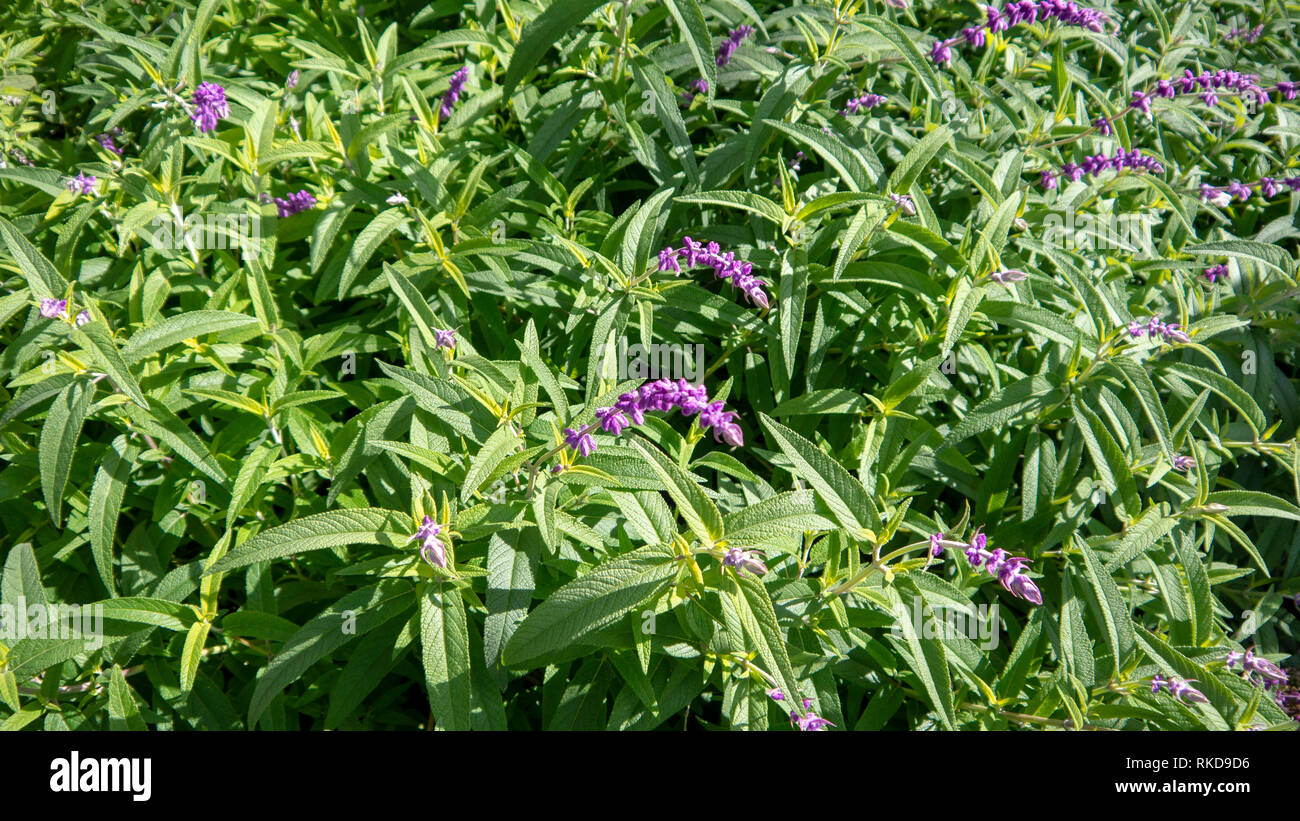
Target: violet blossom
<point>51,308</point>
<point>725,266</point>
<point>1215,271</point>
<point>81,184</point>
<point>209,106</point>
<point>444,338</point>
<point>454,89</point>
<point>295,204</point>
<point>1183,462</point>
<point>734,38</point>
<point>432,550</point>
<point>663,395</point>
<point>1009,570</point>
<point>904,203</point>
<point>744,560</point>
<point>1179,689</point>
<point>1252,665</point>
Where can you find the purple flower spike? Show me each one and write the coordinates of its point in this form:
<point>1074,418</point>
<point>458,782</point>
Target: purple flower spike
<point>106,142</point>
<point>209,106</point>
<point>1008,570</point>
<point>1103,125</point>
<point>454,89</point>
<point>1267,187</point>
<point>744,560</point>
<point>432,550</point>
<point>1239,191</point>
<point>734,38</point>
<point>295,204</point>
<point>1215,272</point>
<point>941,52</point>
<point>580,441</point>
<point>936,544</point>
<point>51,308</point>
<point>1047,179</point>
<point>81,184</point>
<point>725,266</point>
<point>1141,102</point>
<point>809,723</point>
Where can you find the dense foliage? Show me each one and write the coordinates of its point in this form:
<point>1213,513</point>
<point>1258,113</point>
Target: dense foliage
<point>651,363</point>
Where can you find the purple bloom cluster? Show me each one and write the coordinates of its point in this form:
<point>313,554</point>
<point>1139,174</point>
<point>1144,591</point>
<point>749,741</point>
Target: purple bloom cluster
<point>1247,35</point>
<point>432,550</point>
<point>665,395</point>
<point>1103,126</point>
<point>1251,665</point>
<point>734,38</point>
<point>50,308</point>
<point>1215,271</point>
<point>1097,163</point>
<point>1153,327</point>
<point>726,266</point>
<point>744,560</point>
<point>295,204</point>
<point>1015,13</point>
<point>1222,197</point>
<point>808,723</point>
<point>697,86</point>
<point>445,338</point>
<point>1179,689</point>
<point>865,103</point>
<point>81,184</point>
<point>106,142</point>
<point>1009,570</point>
<point>209,106</point>
<point>454,89</point>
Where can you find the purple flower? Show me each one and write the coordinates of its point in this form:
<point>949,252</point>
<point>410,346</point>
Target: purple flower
<point>1267,187</point>
<point>725,266</point>
<point>1166,89</point>
<point>296,203</point>
<point>974,35</point>
<point>106,142</point>
<point>1182,462</point>
<point>209,106</point>
<point>291,80</point>
<point>1215,196</point>
<point>941,52</point>
<point>1239,191</point>
<point>432,550</point>
<point>745,560</point>
<point>936,544</point>
<point>775,694</point>
<point>612,420</point>
<point>865,102</point>
<point>1136,329</point>
<point>1215,271</point>
<point>1210,98</point>
<point>444,338</point>
<point>904,203</point>
<point>1142,102</point>
<point>50,308</point>
<point>454,89</point>
<point>1048,180</point>
<point>1269,672</point>
<point>580,441</point>
<point>83,318</point>
<point>810,722</point>
<point>1180,689</point>
<point>1009,570</point>
<point>81,184</point>
<point>1103,125</point>
<point>1009,276</point>
<point>1288,89</point>
<point>734,38</point>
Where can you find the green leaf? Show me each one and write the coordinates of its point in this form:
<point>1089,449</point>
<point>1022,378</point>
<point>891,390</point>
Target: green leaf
<point>58,440</point>
<point>843,494</point>
<point>699,512</point>
<point>177,328</point>
<point>542,32</point>
<point>444,640</point>
<point>334,528</point>
<point>695,33</point>
<point>593,600</point>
